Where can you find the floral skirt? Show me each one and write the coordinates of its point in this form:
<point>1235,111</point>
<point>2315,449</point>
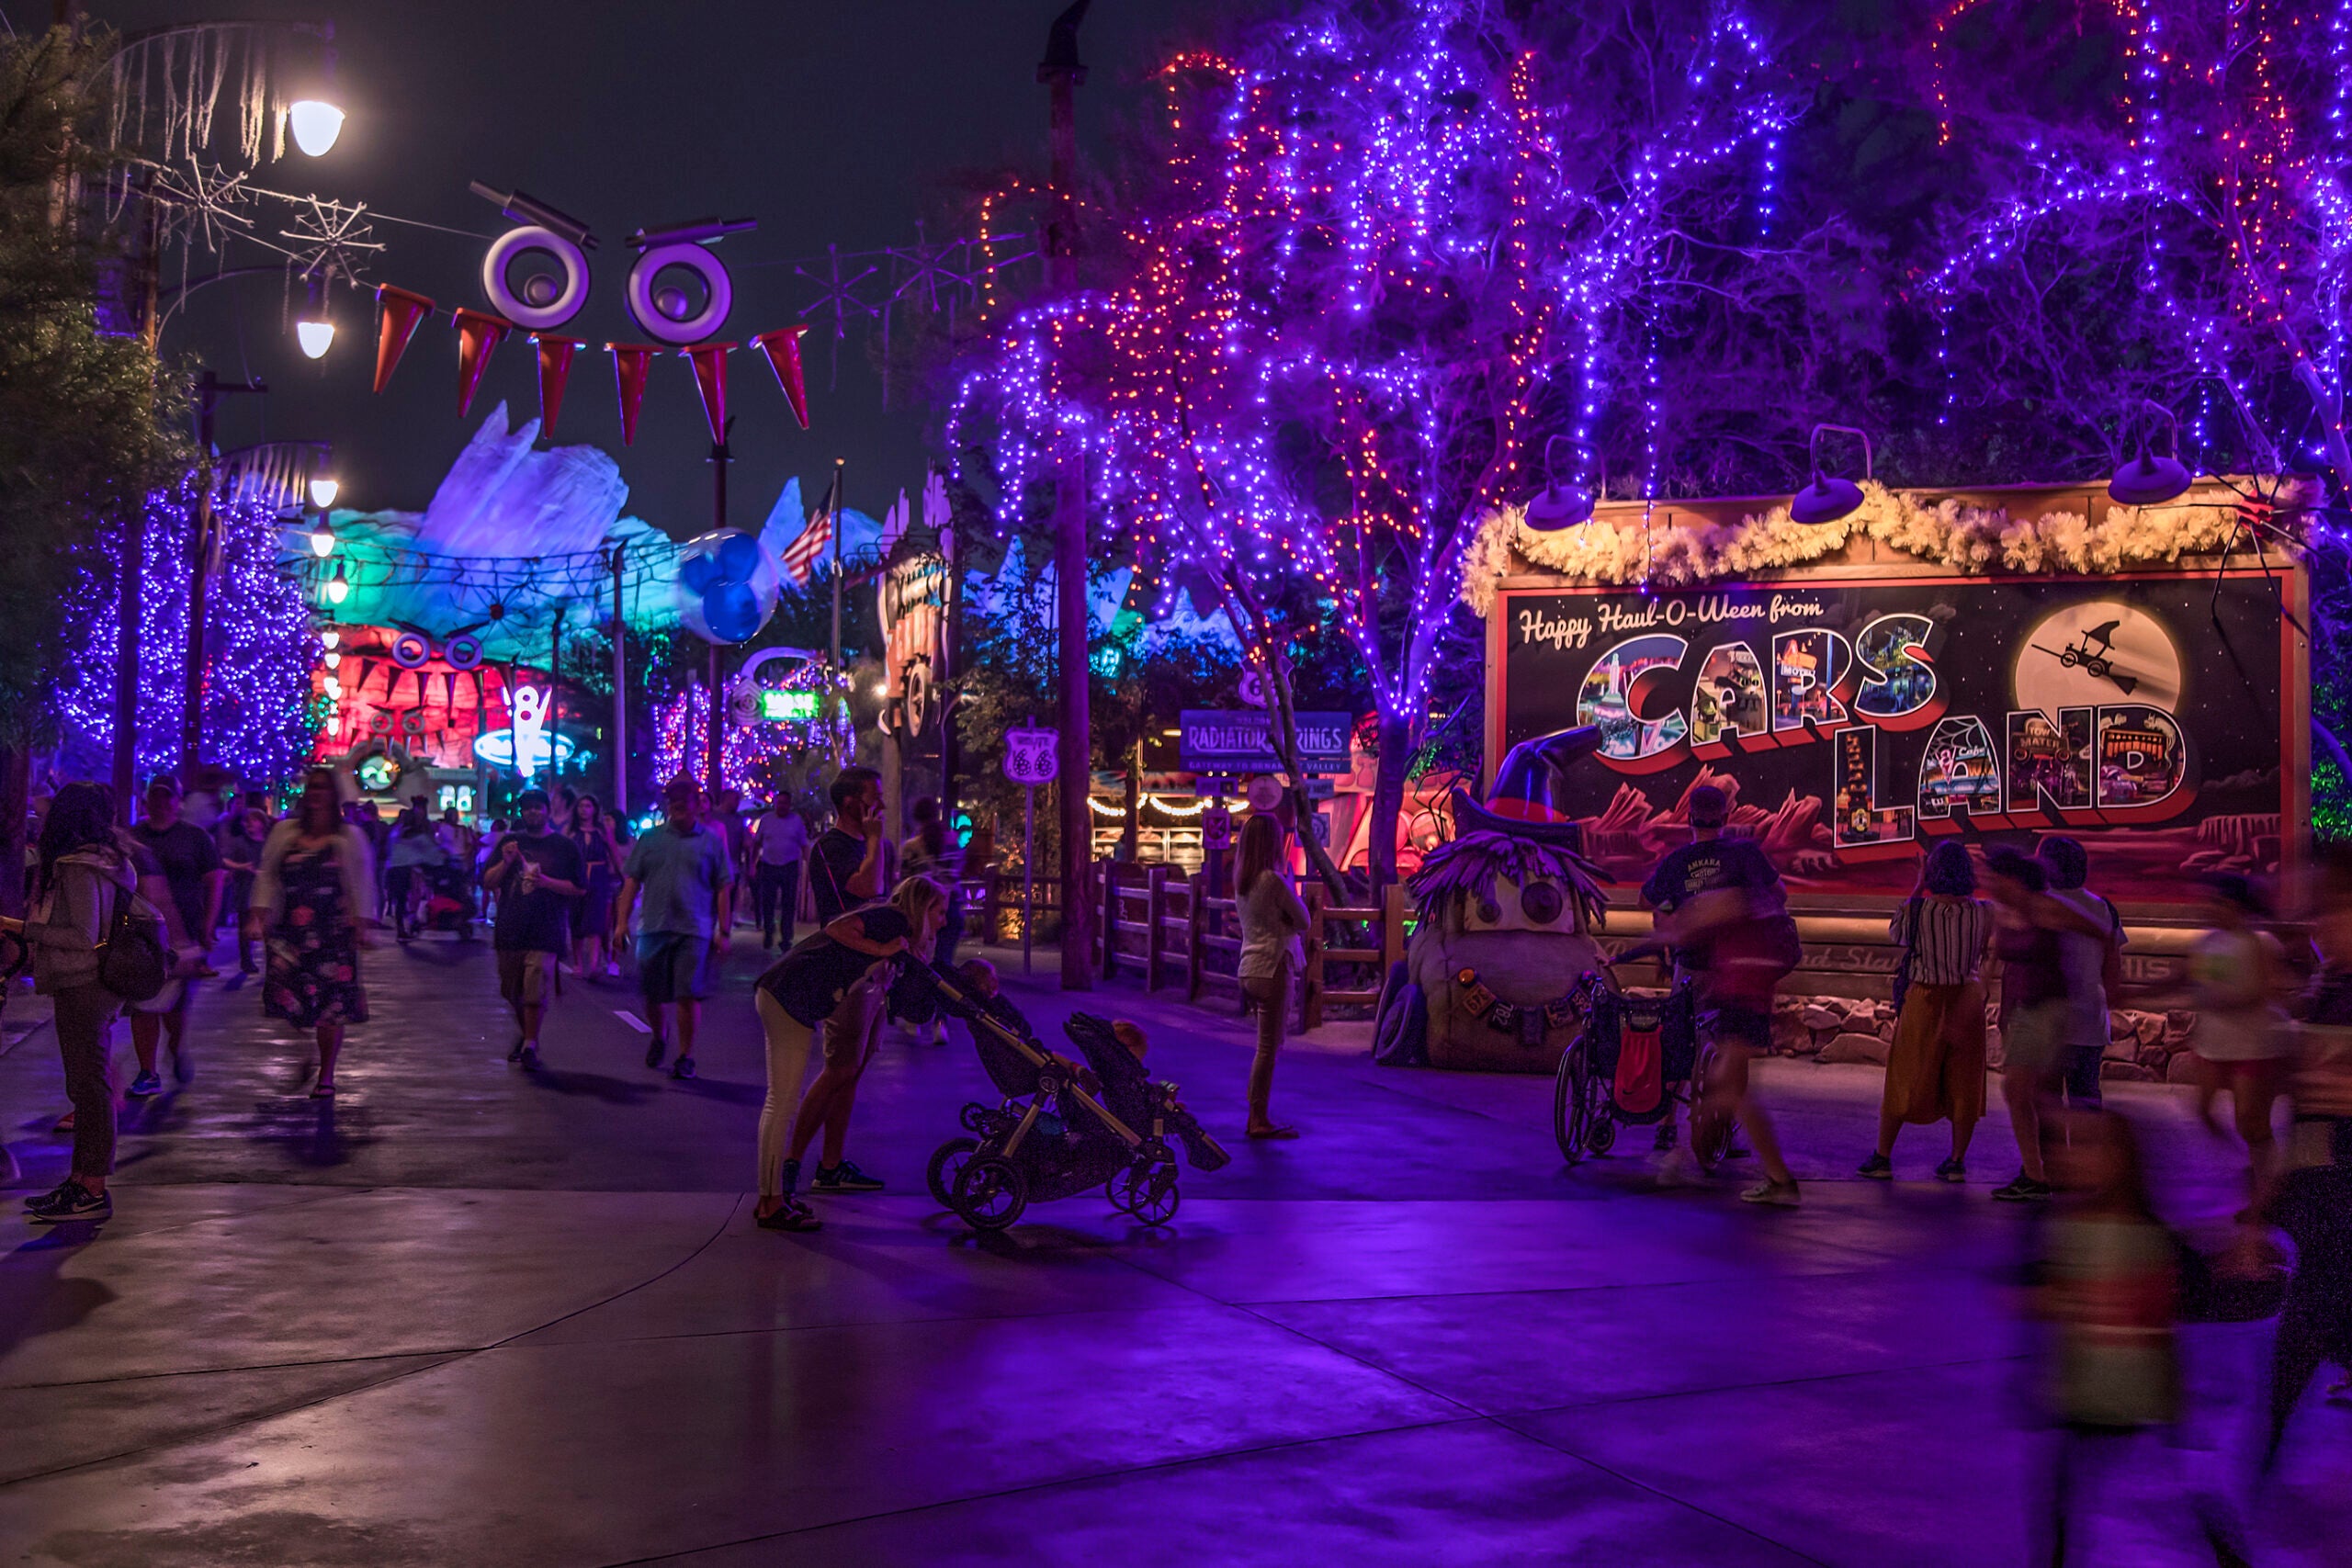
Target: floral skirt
<point>313,981</point>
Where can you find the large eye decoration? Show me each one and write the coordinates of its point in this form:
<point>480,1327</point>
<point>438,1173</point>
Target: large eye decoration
<point>1541,902</point>
<point>462,652</point>
<point>659,299</point>
<point>409,651</point>
<point>543,298</point>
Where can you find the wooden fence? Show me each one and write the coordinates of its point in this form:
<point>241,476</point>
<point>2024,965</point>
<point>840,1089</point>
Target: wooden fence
<point>1163,923</point>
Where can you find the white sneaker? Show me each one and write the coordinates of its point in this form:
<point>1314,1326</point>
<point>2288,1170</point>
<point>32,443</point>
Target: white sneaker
<point>1778,1194</point>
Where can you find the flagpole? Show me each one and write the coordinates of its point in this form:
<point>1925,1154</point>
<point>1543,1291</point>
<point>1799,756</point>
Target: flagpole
<point>833,513</point>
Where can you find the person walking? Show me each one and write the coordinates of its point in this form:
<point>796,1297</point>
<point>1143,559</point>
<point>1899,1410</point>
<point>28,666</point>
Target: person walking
<point>82,876</point>
<point>778,841</point>
<point>2092,961</point>
<point>313,900</point>
<point>592,834</point>
<point>1273,926</point>
<point>1723,910</point>
<point>684,870</point>
<point>2235,973</point>
<point>2108,1284</point>
<point>243,833</point>
<point>190,864</point>
<point>536,875</point>
<point>838,975</point>
<point>414,850</point>
<point>2037,1010</point>
<point>931,851</point>
<point>1936,1070</point>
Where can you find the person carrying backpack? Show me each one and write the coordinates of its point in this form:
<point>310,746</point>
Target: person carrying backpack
<point>84,905</point>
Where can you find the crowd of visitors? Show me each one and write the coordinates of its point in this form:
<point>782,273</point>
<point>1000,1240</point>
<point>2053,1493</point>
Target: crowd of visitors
<point>127,920</point>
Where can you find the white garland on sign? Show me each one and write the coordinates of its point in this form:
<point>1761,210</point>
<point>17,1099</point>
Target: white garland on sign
<point>1949,532</point>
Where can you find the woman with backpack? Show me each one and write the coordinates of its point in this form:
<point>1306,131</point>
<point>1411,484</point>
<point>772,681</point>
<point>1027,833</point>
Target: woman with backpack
<point>312,896</point>
<point>85,876</point>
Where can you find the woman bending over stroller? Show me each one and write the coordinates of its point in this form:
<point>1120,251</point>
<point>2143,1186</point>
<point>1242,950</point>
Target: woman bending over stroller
<point>835,980</point>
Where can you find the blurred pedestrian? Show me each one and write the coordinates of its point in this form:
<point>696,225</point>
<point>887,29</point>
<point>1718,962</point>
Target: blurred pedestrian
<point>190,864</point>
<point>84,875</point>
<point>590,832</point>
<point>1724,909</point>
<point>687,877</point>
<point>410,859</point>
<point>1935,1071</point>
<point>2236,973</point>
<point>243,833</point>
<point>2108,1284</point>
<point>2035,1007</point>
<point>779,839</point>
<point>314,897</point>
<point>931,851</point>
<point>2092,964</point>
<point>2313,1206</point>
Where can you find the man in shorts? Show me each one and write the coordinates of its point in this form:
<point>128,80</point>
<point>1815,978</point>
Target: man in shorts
<point>686,876</point>
<point>535,875</point>
<point>1722,905</point>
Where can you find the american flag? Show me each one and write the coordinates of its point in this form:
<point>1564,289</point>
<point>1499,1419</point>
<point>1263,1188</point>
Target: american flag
<point>800,556</point>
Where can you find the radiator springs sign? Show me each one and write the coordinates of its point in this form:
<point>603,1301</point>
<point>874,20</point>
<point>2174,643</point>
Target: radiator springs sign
<point>1857,722</point>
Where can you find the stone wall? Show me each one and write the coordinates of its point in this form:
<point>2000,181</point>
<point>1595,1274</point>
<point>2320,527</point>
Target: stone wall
<point>2145,1047</point>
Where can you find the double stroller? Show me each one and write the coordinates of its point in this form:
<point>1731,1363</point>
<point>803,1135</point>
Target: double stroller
<point>1055,1134</point>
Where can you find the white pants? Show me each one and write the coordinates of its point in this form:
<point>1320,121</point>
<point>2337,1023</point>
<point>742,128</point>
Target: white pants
<point>788,1045</point>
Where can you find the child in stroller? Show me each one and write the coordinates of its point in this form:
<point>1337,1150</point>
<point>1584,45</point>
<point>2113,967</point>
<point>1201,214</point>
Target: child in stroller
<point>449,901</point>
<point>1052,1137</point>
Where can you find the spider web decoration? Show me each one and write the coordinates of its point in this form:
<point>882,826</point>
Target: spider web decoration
<point>201,204</point>
<point>940,276</point>
<point>329,237</point>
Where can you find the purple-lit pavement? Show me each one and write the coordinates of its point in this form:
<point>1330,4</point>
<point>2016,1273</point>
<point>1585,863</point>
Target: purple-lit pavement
<point>468,1315</point>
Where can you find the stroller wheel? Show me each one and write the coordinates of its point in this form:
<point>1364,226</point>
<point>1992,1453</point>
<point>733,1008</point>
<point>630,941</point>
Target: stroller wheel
<point>1148,1192</point>
<point>990,1193</point>
<point>974,1119</point>
<point>947,1162</point>
<point>1603,1137</point>
<point>1572,1101</point>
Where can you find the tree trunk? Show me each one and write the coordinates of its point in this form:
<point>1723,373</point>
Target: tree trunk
<point>1388,798</point>
<point>15,788</point>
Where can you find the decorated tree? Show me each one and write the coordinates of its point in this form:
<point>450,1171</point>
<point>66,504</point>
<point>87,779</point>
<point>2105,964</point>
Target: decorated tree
<point>1381,254</point>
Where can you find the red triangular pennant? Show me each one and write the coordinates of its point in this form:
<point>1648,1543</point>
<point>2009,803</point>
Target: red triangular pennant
<point>479,335</point>
<point>555,369</point>
<point>783,350</point>
<point>710,361</point>
<point>630,363</point>
<point>397,314</point>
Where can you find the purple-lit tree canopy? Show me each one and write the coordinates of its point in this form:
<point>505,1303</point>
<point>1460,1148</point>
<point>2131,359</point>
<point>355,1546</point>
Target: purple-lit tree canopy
<point>1384,253</point>
<point>261,647</point>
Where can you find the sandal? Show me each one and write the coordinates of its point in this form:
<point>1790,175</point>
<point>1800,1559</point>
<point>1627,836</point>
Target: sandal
<point>1272,1133</point>
<point>323,1090</point>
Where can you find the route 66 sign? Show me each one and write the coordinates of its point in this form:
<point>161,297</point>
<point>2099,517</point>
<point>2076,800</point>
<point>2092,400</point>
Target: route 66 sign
<point>1029,756</point>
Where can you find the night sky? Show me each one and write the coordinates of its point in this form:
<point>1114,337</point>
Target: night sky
<point>831,121</point>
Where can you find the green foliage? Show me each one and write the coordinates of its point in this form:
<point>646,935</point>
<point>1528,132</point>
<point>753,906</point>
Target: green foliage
<point>85,418</point>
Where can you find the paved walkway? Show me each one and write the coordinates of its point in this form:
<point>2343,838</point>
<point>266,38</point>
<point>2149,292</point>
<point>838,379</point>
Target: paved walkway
<point>466,1315</point>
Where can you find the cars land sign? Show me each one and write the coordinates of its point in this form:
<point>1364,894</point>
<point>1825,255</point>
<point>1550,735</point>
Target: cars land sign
<point>1029,756</point>
<point>1862,721</point>
<point>1228,740</point>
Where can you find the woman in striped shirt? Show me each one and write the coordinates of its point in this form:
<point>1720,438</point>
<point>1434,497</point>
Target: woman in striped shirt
<point>1936,1070</point>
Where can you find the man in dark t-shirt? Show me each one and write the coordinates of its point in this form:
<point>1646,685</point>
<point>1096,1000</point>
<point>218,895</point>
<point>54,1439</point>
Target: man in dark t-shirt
<point>535,875</point>
<point>190,864</point>
<point>845,861</point>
